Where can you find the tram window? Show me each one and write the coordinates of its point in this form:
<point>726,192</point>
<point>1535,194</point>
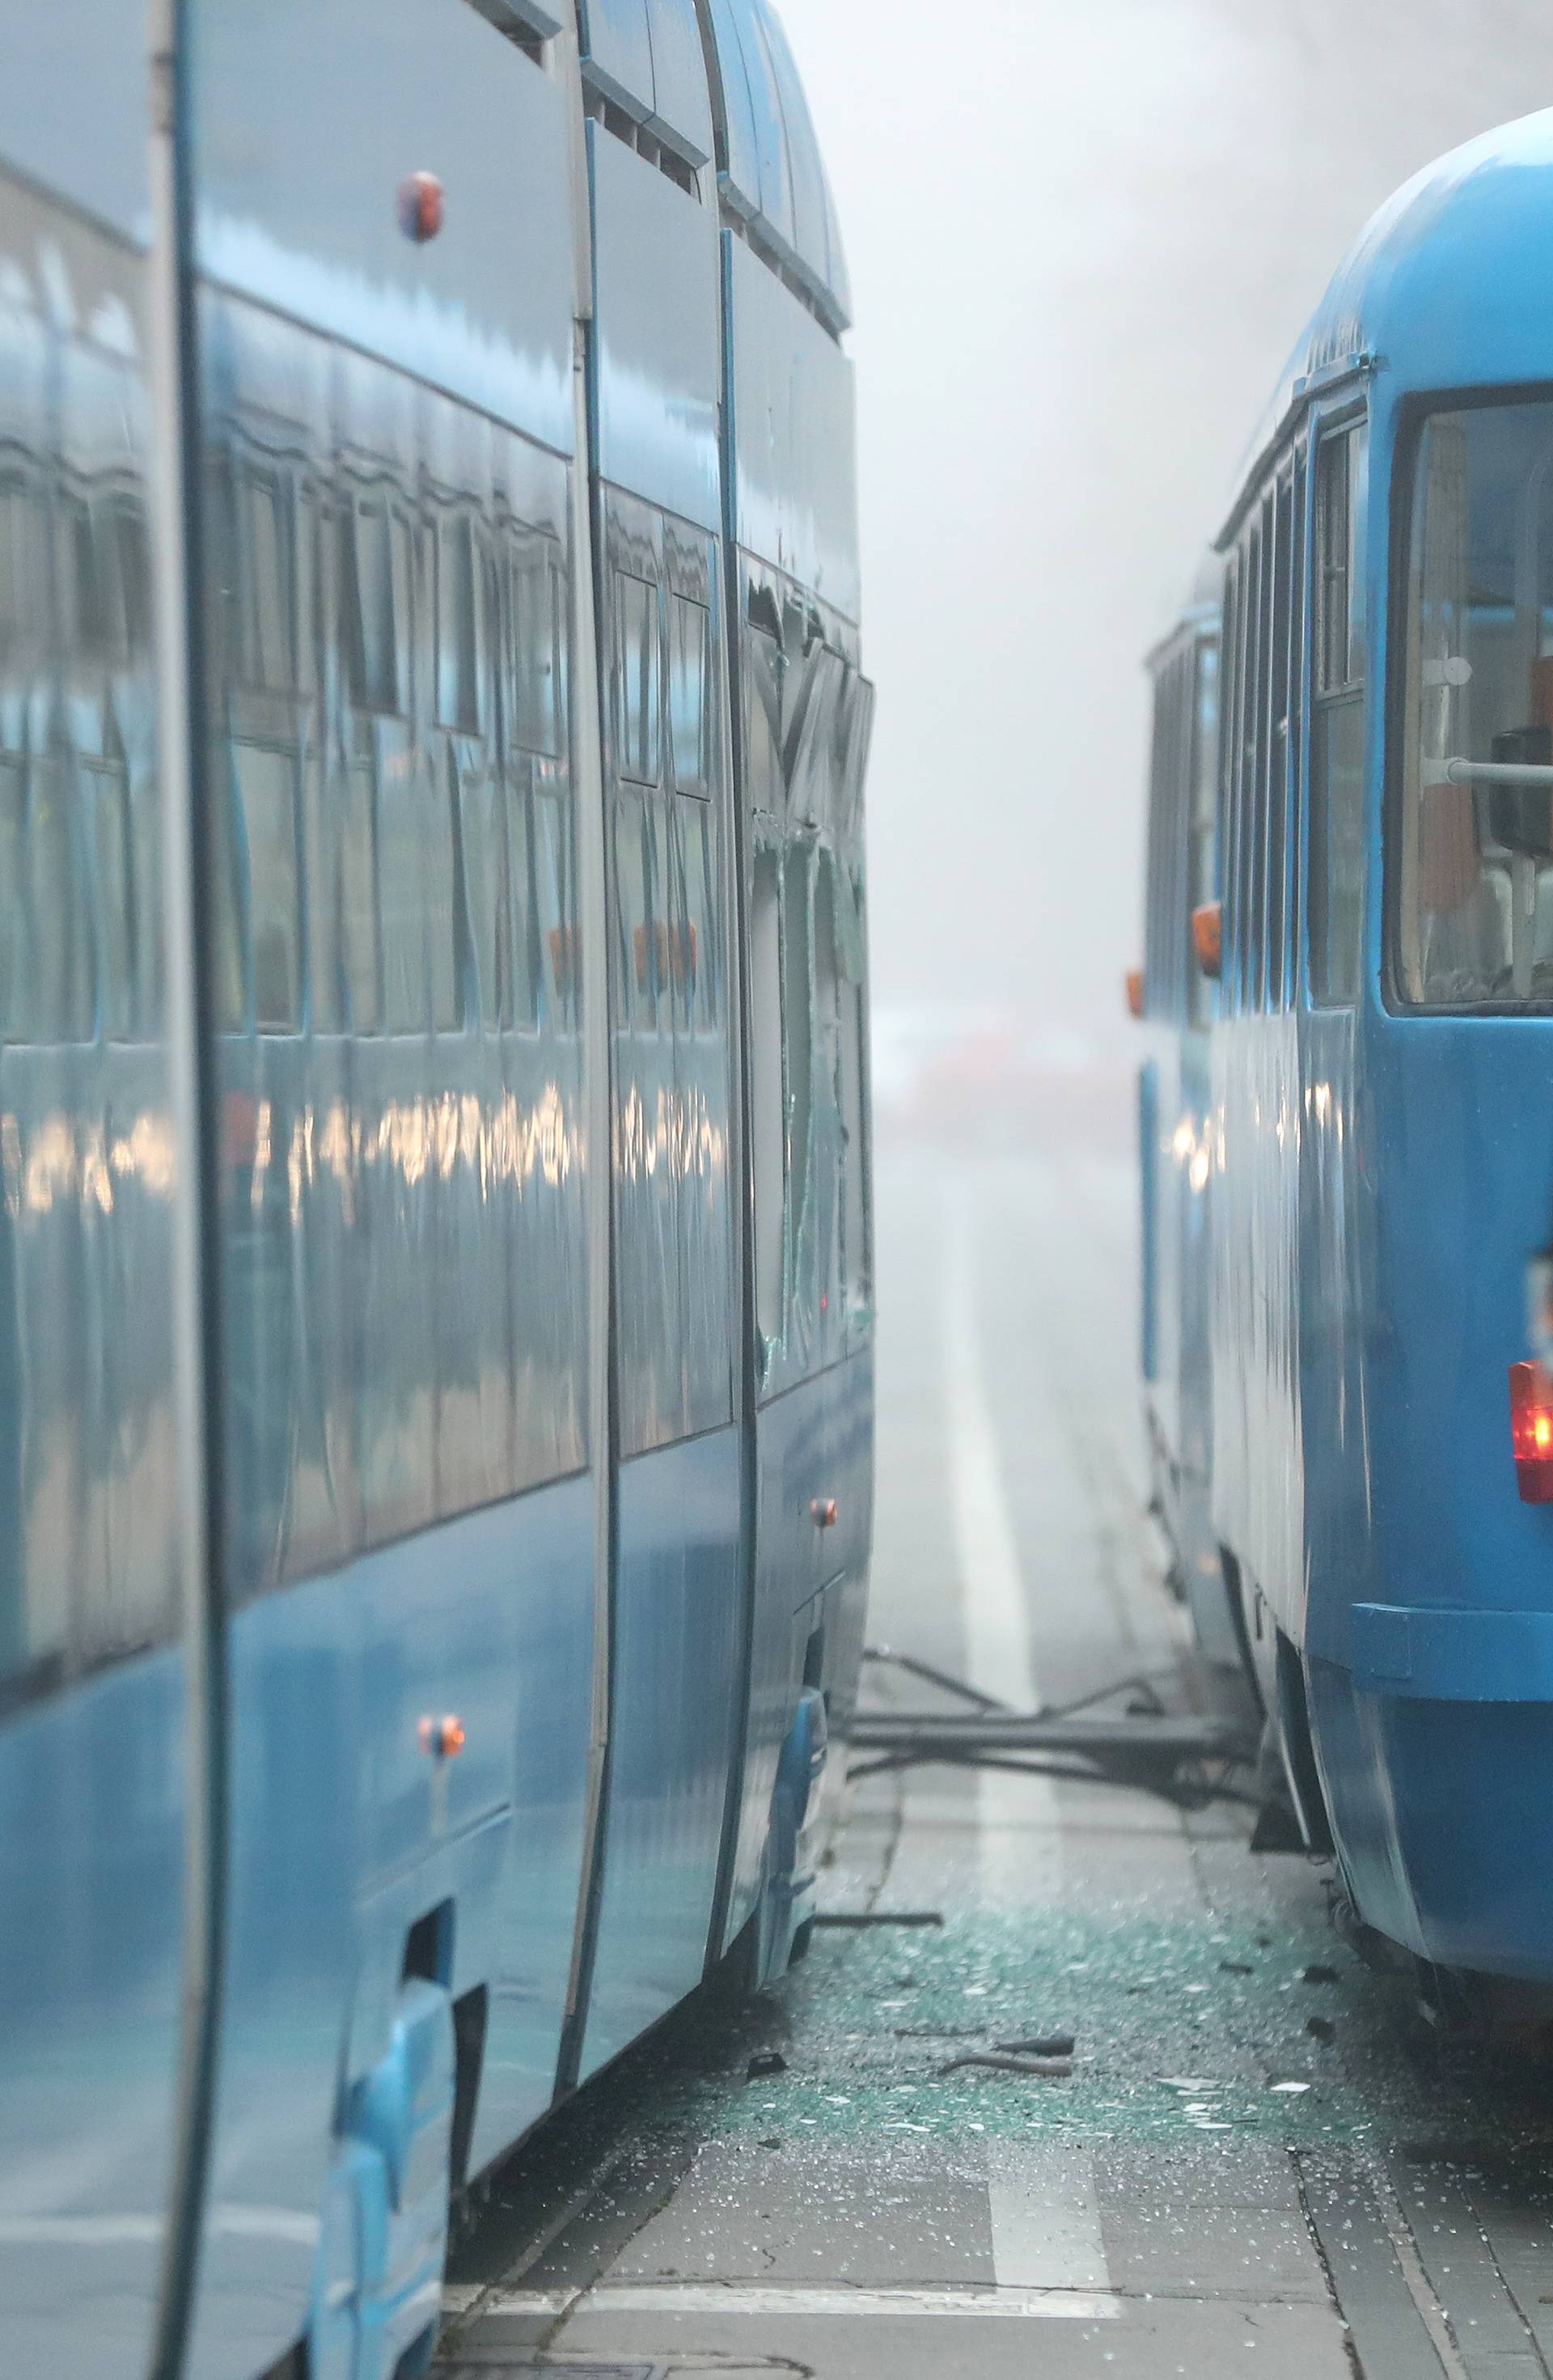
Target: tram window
<point>846,913</point>
<point>441,896</point>
<point>1337,628</point>
<point>763,770</point>
<point>16,975</point>
<point>267,793</point>
<point>1337,776</point>
<point>1476,914</point>
<point>768,1099</point>
<point>1279,705</point>
<point>1156,901</point>
<point>536,661</point>
<point>548,908</point>
<point>61,954</point>
<point>1200,833</point>
<point>109,796</point>
<point>548,954</point>
<point>358,902</point>
<point>639,912</point>
<point>689,707</point>
<point>1175,904</point>
<point>1248,803</point>
<point>457,647</point>
<point>855,719</point>
<point>402,893</point>
<point>1227,824</point>
<point>638,665</point>
<point>230,1003</point>
<point>1294,700</point>
<point>798,996</point>
<point>812,787</point>
<point>700,960</point>
<point>305,529</point>
<point>150,954</point>
<point>485,885</point>
<point>108,576</point>
<point>264,574</point>
<point>374,602</point>
<point>96,624</point>
<point>20,575</point>
<point>327,1009</point>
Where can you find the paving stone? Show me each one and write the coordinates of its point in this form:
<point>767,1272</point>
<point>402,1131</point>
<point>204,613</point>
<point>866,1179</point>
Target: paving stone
<point>819,2213</point>
<point>1227,2251</point>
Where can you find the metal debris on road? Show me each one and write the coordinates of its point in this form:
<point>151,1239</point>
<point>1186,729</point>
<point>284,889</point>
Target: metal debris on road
<point>859,1918</point>
<point>1043,2067</point>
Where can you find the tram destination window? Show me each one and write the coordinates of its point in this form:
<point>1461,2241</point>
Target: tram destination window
<point>1474,918</point>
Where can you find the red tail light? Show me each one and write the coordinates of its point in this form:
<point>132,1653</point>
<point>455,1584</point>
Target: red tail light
<point>1531,1431</point>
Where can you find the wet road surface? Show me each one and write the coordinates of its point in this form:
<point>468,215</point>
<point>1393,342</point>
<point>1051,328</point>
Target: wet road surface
<point>1264,2161</point>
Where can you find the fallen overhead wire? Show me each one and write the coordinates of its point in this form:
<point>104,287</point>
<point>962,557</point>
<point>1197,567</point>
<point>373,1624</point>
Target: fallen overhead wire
<point>879,1917</point>
<point>1188,1759</point>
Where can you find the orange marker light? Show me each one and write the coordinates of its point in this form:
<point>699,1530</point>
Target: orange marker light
<point>1531,1431</point>
<point>1135,992</point>
<point>422,207</point>
<point>441,1739</point>
<point>1208,938</point>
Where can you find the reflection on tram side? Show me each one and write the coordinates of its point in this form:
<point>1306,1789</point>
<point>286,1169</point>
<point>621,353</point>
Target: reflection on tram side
<point>503,1715</point>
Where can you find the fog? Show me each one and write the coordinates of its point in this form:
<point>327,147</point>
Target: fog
<point>1082,241</point>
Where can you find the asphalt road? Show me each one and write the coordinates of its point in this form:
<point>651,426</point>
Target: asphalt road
<point>1263,2151</point>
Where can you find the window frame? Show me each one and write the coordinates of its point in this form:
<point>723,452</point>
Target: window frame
<point>1413,415</point>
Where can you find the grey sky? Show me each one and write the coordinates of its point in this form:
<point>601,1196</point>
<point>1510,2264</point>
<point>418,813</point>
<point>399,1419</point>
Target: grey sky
<point>1082,241</point>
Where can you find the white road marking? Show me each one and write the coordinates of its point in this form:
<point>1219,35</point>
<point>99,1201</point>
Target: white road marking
<point>81,2230</point>
<point>1046,2226</point>
<point>1043,2237</point>
<point>713,2298</point>
<point>1021,1834</point>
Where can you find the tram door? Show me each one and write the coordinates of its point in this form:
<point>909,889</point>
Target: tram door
<point>93,1685</point>
<point>676,1615</point>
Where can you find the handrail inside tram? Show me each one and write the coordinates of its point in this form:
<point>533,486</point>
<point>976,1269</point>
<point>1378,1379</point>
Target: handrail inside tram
<point>1499,772</point>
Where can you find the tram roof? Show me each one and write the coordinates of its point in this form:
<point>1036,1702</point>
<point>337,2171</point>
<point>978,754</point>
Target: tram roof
<point>1449,286</point>
<point>645,56</point>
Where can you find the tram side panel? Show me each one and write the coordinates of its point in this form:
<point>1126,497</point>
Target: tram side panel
<point>92,1681</point>
<point>1257,1466</point>
<point>386,429</point>
<point>677,1604</point>
<point>1175,1144</point>
<point>805,712</point>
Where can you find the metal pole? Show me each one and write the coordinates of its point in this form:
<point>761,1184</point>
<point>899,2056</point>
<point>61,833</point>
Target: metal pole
<point>193,1288</point>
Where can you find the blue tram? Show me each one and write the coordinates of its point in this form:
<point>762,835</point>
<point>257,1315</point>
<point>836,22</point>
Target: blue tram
<point>1348,1150</point>
<point>435,1291</point>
